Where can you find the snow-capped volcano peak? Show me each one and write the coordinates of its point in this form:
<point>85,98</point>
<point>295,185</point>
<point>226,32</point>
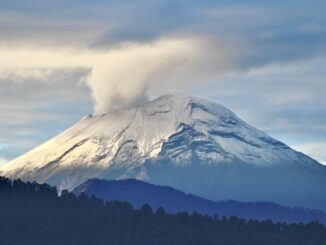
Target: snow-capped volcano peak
<point>136,134</point>
<point>176,136</point>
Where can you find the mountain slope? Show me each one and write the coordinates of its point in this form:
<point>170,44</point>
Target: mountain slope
<point>194,145</point>
<point>139,193</point>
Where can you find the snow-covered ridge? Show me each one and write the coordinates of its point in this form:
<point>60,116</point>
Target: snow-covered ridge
<point>175,130</point>
<point>135,134</point>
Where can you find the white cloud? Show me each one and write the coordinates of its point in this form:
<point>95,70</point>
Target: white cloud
<point>120,76</point>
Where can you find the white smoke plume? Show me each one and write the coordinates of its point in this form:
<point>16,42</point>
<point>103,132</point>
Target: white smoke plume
<point>121,76</point>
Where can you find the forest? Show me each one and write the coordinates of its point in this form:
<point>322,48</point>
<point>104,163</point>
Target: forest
<point>34,214</point>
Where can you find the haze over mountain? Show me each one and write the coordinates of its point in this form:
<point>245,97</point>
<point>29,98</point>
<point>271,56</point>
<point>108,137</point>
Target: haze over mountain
<point>191,144</point>
<point>139,193</point>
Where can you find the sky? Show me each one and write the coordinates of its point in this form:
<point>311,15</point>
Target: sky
<point>61,60</point>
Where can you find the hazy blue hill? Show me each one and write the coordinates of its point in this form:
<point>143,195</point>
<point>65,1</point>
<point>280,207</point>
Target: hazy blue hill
<point>139,193</point>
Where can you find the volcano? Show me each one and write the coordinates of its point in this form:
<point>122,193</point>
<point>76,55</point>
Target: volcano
<point>178,140</point>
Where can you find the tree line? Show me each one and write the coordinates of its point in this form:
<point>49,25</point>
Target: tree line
<point>34,214</point>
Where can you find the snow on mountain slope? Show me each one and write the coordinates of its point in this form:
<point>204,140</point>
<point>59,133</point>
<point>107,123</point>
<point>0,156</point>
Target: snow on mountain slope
<point>176,140</point>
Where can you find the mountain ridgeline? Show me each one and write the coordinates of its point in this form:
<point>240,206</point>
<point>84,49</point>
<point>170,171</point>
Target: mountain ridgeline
<point>33,214</point>
<point>139,193</point>
<point>191,144</point>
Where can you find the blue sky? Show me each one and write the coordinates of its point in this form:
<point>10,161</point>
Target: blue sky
<point>60,60</point>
